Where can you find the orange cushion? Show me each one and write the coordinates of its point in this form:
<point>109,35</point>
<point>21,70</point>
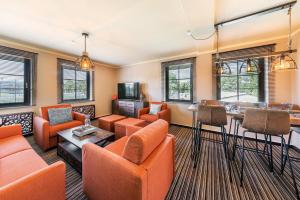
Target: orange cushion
<point>13,144</point>
<point>60,127</point>
<point>149,118</point>
<point>44,110</point>
<point>141,144</point>
<point>19,165</point>
<point>112,118</point>
<point>117,146</point>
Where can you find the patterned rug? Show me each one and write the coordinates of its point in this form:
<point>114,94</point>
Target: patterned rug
<point>210,179</point>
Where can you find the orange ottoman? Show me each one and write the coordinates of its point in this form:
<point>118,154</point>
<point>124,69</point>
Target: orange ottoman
<point>120,126</point>
<point>107,122</point>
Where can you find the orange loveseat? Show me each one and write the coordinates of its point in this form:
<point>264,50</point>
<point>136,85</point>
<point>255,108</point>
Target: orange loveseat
<point>139,166</point>
<point>24,174</point>
<point>164,114</point>
<point>44,134</point>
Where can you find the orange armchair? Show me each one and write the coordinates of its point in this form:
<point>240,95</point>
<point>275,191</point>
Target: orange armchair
<point>24,174</point>
<point>45,135</point>
<point>139,166</point>
<point>164,114</point>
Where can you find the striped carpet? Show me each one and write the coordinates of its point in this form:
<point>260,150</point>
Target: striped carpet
<point>210,179</point>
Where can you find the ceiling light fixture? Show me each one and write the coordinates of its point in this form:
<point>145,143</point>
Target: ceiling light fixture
<point>84,62</point>
<point>250,66</point>
<point>221,67</point>
<point>284,61</point>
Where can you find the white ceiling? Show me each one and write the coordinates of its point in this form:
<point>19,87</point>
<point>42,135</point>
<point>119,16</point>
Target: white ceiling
<point>123,32</point>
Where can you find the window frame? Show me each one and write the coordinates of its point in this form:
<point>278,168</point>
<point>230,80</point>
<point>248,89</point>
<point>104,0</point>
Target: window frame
<point>27,84</point>
<point>167,65</point>
<point>72,66</point>
<point>261,81</point>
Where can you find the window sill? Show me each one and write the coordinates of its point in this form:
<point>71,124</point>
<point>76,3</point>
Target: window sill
<point>179,102</point>
<point>16,107</point>
<point>76,101</point>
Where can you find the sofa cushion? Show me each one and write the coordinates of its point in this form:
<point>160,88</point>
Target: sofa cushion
<point>18,165</point>
<point>13,144</point>
<point>149,118</point>
<point>44,110</point>
<point>141,144</point>
<point>60,127</point>
<point>59,115</point>
<point>117,147</point>
<point>154,109</point>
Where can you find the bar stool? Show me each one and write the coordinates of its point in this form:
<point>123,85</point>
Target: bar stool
<point>271,123</point>
<point>212,116</point>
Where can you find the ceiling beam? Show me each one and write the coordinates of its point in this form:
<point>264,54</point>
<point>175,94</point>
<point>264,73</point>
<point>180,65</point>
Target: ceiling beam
<point>256,14</point>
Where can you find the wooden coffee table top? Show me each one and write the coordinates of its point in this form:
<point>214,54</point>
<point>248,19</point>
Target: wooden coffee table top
<point>95,137</point>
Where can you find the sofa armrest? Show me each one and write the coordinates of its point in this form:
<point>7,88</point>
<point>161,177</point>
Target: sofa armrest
<point>143,111</point>
<point>12,130</point>
<point>130,129</point>
<point>47,184</point>
<point>79,116</point>
<point>165,115</point>
<point>111,175</point>
<point>41,132</point>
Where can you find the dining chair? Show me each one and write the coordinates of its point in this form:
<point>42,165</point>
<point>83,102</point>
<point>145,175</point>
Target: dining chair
<point>271,123</point>
<point>211,115</point>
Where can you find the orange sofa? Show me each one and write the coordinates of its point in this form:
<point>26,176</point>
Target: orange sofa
<point>44,134</point>
<point>139,166</point>
<point>164,114</point>
<point>24,174</point>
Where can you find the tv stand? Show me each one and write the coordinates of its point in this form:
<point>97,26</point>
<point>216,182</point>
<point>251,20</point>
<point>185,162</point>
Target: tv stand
<point>128,107</point>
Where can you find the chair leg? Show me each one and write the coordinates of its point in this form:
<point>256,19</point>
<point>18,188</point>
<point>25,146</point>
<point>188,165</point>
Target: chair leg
<point>286,152</point>
<point>266,142</point>
<point>271,155</point>
<point>194,130</point>
<point>226,152</point>
<point>291,169</point>
<point>230,126</point>
<point>256,143</point>
<point>236,130</point>
<point>243,158</point>
<point>281,154</point>
<point>198,142</point>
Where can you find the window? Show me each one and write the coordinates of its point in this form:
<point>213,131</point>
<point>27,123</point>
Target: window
<point>74,83</point>
<point>242,86</point>
<point>179,80</point>
<point>15,77</point>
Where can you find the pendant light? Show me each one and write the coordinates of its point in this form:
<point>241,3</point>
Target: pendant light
<point>284,60</point>
<point>250,66</point>
<point>222,67</point>
<point>84,62</point>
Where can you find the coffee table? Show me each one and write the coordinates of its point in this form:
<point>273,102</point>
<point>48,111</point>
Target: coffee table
<point>69,146</point>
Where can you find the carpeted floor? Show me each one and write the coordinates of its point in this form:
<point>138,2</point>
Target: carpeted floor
<point>209,180</point>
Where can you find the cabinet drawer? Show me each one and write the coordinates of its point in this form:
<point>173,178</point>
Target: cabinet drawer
<point>130,104</point>
<point>122,103</point>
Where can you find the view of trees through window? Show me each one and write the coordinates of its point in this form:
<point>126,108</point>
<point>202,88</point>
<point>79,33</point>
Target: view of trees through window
<point>239,86</point>
<point>75,84</point>
<point>12,79</point>
<point>180,82</point>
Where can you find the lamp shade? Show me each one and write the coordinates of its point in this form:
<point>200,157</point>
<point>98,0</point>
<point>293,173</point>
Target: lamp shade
<point>84,62</point>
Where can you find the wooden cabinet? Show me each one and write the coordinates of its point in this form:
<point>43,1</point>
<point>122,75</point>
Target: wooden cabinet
<point>128,108</point>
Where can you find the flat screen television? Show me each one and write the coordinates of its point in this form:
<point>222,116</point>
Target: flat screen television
<point>129,90</point>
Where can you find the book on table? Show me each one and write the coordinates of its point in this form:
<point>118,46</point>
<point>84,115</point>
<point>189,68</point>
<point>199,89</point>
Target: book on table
<point>84,130</point>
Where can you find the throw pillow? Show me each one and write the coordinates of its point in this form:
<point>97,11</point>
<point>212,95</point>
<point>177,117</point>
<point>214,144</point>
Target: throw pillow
<point>59,115</point>
<point>154,109</point>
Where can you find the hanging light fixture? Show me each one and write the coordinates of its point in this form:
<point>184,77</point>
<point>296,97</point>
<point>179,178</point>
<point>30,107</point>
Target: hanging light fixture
<point>284,61</point>
<point>222,67</point>
<point>84,62</point>
<point>250,66</point>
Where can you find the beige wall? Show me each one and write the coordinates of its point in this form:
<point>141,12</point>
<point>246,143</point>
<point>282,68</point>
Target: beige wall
<point>150,75</point>
<point>287,84</point>
<point>105,82</point>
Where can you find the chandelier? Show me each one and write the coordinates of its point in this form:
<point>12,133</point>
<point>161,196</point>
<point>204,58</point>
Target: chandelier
<point>284,61</point>
<point>84,62</point>
<point>250,66</point>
